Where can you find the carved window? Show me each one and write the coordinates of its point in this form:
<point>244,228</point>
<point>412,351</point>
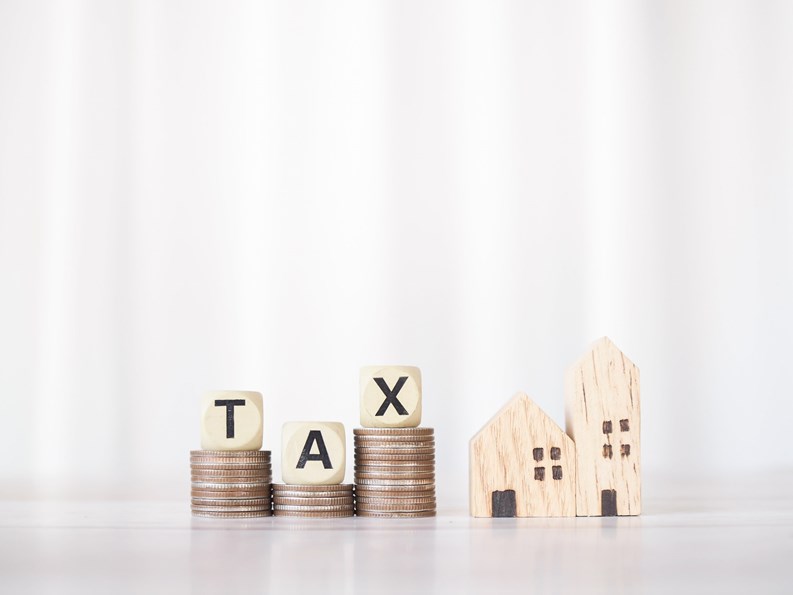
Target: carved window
<point>538,454</point>
<point>607,452</point>
<point>557,471</point>
<point>624,425</point>
<point>556,453</point>
<point>607,427</point>
<point>539,473</point>
<point>625,450</point>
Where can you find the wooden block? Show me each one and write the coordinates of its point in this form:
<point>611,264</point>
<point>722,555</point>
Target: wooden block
<point>602,411</point>
<point>522,464</point>
<point>231,420</point>
<point>313,453</point>
<point>390,397</point>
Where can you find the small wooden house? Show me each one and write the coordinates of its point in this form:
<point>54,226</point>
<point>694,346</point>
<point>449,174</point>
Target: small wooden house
<point>522,464</point>
<point>603,418</point>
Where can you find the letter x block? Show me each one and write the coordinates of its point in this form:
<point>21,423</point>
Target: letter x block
<point>231,420</point>
<point>390,397</point>
<point>313,453</point>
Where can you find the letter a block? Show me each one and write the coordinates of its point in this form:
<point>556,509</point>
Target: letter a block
<point>231,420</point>
<point>313,453</point>
<point>390,397</point>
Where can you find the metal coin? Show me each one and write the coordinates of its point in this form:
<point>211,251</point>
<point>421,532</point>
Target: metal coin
<point>233,515</point>
<point>392,470</point>
<point>391,495</point>
<point>361,458</point>
<point>392,431</point>
<point>395,440</point>
<point>383,507</point>
<point>230,472</point>
<point>394,488</point>
<point>288,494</point>
<point>395,476</point>
<point>336,508</point>
<point>264,502</point>
<point>314,515</point>
<point>281,501</point>
<point>202,508</point>
<point>389,438</point>
<point>230,494</point>
<point>368,500</point>
<point>230,453</point>
<point>395,482</point>
<point>394,450</point>
<point>397,515</point>
<point>233,466</point>
<point>225,480</point>
<point>240,485</point>
<point>341,487</point>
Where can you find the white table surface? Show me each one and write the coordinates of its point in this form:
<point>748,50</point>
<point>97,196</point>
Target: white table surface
<point>708,538</point>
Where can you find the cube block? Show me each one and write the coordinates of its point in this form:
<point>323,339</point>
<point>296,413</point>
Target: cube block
<point>313,453</point>
<point>231,420</point>
<point>390,396</point>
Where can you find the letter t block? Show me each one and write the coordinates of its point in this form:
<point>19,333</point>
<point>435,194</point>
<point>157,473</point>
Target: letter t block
<point>231,420</point>
<point>390,397</point>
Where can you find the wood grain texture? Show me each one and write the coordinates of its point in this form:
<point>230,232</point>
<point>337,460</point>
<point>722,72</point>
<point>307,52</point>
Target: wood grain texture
<point>508,454</point>
<point>602,411</point>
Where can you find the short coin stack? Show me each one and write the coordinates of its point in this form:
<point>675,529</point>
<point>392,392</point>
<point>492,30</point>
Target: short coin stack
<point>313,501</point>
<point>230,483</point>
<point>395,472</point>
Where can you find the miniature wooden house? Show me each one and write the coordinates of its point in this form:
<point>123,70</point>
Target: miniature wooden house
<point>522,464</point>
<point>603,418</point>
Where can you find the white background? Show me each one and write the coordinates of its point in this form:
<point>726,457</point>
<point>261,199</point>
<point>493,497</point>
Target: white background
<point>267,196</point>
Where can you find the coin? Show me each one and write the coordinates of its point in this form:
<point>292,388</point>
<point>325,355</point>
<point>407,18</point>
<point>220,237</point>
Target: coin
<point>258,493</point>
<point>360,442</point>
<point>384,507</point>
<point>396,515</point>
<point>394,438</point>
<point>394,488</point>
<point>395,482</point>
<point>362,458</point>
<point>394,501</point>
<point>231,454</point>
<point>203,508</point>
<point>314,501</point>
<point>225,472</point>
<point>216,485</point>
<point>395,450</point>
<point>232,466</point>
<point>265,502</point>
<point>217,479</point>
<point>233,515</point>
<point>392,431</point>
<point>340,487</point>
<point>288,494</point>
<point>413,468</point>
<point>335,508</point>
<point>368,474</point>
<point>303,514</point>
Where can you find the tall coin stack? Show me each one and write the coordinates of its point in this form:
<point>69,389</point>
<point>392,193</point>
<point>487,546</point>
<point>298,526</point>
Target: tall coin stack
<point>231,476</point>
<point>313,501</point>
<point>395,472</point>
<point>230,483</point>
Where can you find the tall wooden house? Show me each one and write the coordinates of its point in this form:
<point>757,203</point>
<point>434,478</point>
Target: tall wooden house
<point>522,464</point>
<point>602,415</point>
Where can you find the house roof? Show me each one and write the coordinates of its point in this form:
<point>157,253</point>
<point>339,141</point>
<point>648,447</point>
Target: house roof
<point>533,411</point>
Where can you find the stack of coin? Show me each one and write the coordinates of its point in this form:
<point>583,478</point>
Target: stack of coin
<point>313,501</point>
<point>395,472</point>
<point>230,483</point>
